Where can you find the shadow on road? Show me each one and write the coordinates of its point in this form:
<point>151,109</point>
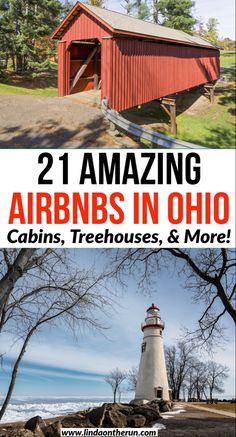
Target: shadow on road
<point>52,135</point>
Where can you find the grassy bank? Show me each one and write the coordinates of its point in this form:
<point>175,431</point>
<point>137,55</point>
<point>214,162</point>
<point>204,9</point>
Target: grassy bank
<point>44,85</point>
<point>213,125</point>
<point>220,406</point>
<point>6,89</point>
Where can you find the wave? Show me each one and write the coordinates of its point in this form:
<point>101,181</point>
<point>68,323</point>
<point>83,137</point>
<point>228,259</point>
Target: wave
<point>21,409</point>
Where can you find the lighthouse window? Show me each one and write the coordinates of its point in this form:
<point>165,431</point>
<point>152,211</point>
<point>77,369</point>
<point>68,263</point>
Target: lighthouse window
<point>158,393</point>
<point>160,332</point>
<point>143,347</point>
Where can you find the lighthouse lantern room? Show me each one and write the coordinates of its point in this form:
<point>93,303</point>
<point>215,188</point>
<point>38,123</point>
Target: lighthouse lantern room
<point>152,382</point>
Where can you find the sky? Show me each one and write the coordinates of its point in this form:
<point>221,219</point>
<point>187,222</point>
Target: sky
<point>57,364</point>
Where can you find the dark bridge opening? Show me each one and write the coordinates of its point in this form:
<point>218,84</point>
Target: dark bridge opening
<point>85,66</point>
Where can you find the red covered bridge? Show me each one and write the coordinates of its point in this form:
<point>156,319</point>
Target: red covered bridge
<point>131,61</point>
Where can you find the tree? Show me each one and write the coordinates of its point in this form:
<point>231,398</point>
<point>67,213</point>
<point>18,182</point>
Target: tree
<point>198,379</point>
<point>177,14</point>
<point>23,23</point>
<point>186,371</point>
<point>216,374</point>
<point>128,6</point>
<point>156,12</point>
<point>179,361</point>
<point>115,379</point>
<point>132,378</point>
<point>45,287</point>
<point>228,44</point>
<point>66,7</point>
<point>142,10</point>
<point>209,275</point>
<point>212,34</point>
<point>99,3</point>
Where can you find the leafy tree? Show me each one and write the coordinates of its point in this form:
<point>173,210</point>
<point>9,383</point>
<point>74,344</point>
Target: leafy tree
<point>228,44</point>
<point>142,10</point>
<point>212,33</point>
<point>177,14</point>
<point>99,3</point>
<point>23,24</point>
<point>115,379</point>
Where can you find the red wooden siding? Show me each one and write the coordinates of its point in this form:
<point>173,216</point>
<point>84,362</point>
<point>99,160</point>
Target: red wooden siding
<point>84,27</point>
<point>144,71</point>
<point>63,69</point>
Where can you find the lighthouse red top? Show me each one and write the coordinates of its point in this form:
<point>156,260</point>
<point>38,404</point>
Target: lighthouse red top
<point>153,307</point>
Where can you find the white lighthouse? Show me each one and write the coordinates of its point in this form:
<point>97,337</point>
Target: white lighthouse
<point>152,382</point>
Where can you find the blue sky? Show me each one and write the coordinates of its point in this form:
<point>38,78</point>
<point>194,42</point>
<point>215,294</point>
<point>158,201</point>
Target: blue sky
<point>57,364</point>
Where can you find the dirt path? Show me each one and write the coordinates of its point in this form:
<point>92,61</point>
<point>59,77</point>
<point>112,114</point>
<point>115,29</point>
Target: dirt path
<point>196,422</point>
<point>51,122</point>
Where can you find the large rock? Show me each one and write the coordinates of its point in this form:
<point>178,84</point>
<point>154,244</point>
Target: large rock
<point>123,408</point>
<point>96,416</point>
<point>150,412</point>
<point>35,423</point>
<point>139,402</point>
<point>78,420</point>
<point>136,421</point>
<point>53,430</point>
<point>114,419</point>
<point>165,406</point>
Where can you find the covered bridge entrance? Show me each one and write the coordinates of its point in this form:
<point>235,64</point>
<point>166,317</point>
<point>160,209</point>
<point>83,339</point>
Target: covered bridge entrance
<point>130,60</point>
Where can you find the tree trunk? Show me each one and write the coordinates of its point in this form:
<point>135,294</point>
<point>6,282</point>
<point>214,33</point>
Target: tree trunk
<point>13,62</point>
<point>14,272</point>
<point>211,390</point>
<point>19,63</point>
<point>14,374</point>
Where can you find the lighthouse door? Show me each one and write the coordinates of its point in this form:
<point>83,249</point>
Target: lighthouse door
<point>158,392</point>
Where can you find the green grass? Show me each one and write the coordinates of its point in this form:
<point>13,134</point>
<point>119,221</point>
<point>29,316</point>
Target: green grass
<point>20,90</point>
<point>228,64</point>
<point>213,128</point>
<point>227,59</point>
<point>208,125</point>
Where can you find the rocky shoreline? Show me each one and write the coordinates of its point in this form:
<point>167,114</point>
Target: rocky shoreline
<point>132,415</point>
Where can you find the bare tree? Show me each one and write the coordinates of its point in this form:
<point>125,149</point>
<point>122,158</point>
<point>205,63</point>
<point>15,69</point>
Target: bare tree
<point>13,264</point>
<point>216,374</point>
<point>132,377</point>
<point>115,379</point>
<point>186,371</point>
<point>179,361</point>
<point>50,288</point>
<point>208,273</point>
<point>200,379</point>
